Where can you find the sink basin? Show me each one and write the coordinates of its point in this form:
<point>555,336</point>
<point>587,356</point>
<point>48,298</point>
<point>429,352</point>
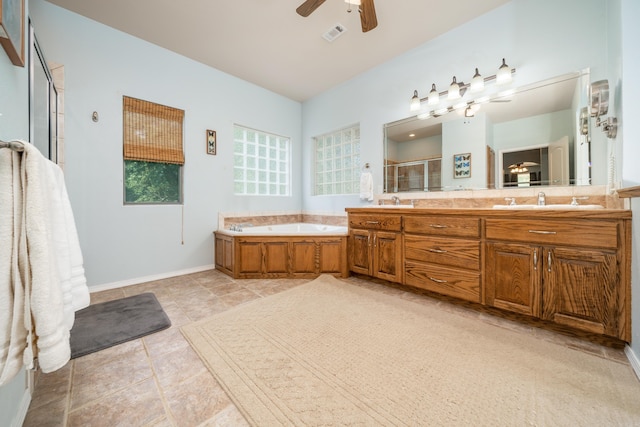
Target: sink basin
<point>567,206</point>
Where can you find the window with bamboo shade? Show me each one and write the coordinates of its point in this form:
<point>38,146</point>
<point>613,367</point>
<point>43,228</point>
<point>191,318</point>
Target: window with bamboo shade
<point>153,152</point>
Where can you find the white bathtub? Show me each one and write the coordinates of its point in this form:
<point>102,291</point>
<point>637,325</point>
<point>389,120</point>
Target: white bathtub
<point>296,229</point>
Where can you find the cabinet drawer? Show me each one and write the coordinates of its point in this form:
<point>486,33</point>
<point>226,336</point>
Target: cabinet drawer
<point>586,233</point>
<point>443,225</point>
<point>441,250</point>
<point>444,280</point>
<point>376,222</point>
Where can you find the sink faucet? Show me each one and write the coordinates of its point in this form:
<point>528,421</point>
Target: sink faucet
<point>541,199</point>
<point>396,199</point>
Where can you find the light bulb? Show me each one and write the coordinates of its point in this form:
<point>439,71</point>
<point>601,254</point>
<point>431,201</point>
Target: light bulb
<point>415,101</point>
<point>503,76</point>
<point>477,83</point>
<point>434,96</point>
<point>454,89</point>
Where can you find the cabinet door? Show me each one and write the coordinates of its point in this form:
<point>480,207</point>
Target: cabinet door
<point>249,258</point>
<point>359,253</point>
<point>276,257</point>
<point>513,277</point>
<point>580,290</point>
<point>303,257</point>
<point>387,256</point>
<point>332,257</point>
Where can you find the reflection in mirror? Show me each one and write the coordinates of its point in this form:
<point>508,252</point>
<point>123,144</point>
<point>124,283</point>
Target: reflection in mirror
<point>536,136</point>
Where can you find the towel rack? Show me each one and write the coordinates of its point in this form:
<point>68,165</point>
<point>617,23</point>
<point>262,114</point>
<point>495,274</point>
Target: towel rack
<point>12,145</point>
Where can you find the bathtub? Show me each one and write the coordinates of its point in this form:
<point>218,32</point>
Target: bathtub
<point>299,250</point>
<point>296,229</point>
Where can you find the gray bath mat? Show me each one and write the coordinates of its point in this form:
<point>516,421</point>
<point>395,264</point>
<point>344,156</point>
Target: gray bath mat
<point>110,323</point>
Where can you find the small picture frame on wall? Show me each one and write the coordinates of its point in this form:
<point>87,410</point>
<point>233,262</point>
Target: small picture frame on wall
<point>12,30</point>
<point>462,165</point>
<point>211,142</point>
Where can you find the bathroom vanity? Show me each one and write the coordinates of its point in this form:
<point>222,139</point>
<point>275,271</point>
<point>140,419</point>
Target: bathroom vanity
<point>568,268</point>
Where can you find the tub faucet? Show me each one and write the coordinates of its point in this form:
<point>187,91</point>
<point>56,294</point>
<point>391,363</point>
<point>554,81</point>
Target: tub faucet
<point>541,199</point>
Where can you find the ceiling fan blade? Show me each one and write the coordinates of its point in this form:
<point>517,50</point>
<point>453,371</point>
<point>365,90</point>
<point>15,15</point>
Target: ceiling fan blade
<point>306,8</point>
<point>368,17</point>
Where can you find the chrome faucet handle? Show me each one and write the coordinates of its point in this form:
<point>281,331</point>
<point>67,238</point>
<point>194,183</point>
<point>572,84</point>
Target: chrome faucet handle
<point>541,199</point>
<point>574,200</point>
<point>511,200</point>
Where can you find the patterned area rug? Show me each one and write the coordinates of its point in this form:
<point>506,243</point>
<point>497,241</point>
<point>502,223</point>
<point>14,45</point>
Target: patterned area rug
<point>330,353</point>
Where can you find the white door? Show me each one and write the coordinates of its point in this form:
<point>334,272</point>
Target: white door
<point>559,162</point>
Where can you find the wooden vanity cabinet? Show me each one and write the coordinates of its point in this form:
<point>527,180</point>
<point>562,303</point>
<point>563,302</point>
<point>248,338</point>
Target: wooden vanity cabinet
<point>564,270</point>
<point>375,246</point>
<point>442,254</point>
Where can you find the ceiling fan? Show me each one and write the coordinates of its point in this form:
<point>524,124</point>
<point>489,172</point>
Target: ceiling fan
<point>366,8</point>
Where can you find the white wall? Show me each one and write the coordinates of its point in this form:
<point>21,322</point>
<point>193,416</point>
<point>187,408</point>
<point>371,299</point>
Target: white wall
<point>101,65</point>
<point>541,39</point>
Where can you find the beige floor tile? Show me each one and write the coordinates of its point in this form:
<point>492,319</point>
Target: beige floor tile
<point>90,383</point>
<point>196,400</point>
<point>51,414</point>
<point>176,366</point>
<point>239,297</point>
<point>159,381</point>
<point>138,405</point>
<point>52,387</point>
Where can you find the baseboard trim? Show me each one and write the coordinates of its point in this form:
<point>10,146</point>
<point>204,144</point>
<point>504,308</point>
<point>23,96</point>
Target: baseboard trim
<point>138,280</point>
<point>21,413</point>
<point>633,359</point>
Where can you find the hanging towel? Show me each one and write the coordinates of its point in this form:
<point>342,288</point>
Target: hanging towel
<point>42,280</point>
<point>366,186</point>
<point>13,332</point>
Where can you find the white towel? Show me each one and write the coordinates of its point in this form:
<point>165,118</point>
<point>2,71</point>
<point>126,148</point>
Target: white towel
<point>49,336</point>
<point>13,333</point>
<point>42,280</point>
<point>366,186</point>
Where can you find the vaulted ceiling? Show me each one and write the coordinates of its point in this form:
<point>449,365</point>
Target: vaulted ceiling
<point>267,43</point>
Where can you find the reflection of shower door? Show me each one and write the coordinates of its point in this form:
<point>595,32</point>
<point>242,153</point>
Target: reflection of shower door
<point>411,176</point>
<point>559,162</point>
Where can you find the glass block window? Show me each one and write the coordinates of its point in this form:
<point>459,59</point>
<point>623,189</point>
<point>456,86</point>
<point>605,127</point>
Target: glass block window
<point>261,163</point>
<point>337,162</point>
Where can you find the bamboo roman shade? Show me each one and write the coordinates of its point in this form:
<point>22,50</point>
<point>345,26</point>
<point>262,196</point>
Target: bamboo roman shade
<point>152,132</point>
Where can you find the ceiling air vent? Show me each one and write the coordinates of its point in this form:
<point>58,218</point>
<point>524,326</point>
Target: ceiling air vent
<point>334,32</point>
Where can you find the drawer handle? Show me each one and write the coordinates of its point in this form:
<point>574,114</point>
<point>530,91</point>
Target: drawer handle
<point>433,279</point>
<point>437,251</point>
<point>373,222</point>
<point>437,226</point>
<point>541,232</point>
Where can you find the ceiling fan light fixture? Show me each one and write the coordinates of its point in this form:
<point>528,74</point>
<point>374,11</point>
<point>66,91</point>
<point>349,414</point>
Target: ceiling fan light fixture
<point>415,101</point>
<point>434,96</point>
<point>477,83</point>
<point>454,90</point>
<point>503,76</point>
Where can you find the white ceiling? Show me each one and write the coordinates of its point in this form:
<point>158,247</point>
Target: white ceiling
<point>267,43</point>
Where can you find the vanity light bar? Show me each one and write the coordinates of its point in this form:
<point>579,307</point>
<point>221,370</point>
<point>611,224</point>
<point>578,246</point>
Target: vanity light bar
<point>435,96</point>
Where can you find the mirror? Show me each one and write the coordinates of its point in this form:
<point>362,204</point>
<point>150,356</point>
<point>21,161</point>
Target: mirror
<point>536,135</point>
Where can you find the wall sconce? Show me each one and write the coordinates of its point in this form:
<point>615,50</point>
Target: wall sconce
<point>457,89</point>
<point>600,107</point>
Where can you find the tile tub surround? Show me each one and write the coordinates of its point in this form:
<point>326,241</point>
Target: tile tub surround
<point>479,199</point>
<point>225,220</point>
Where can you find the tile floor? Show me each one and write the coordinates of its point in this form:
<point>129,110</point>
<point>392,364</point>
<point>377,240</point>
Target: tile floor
<point>158,380</point>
